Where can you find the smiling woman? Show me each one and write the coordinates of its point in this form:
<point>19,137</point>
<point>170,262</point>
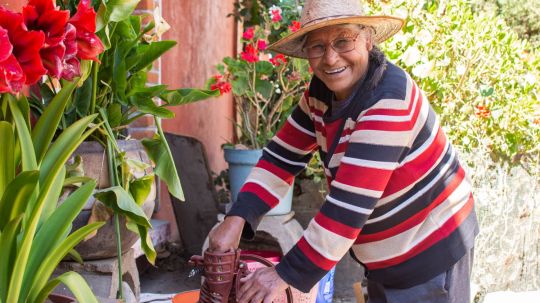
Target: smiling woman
<point>398,197</point>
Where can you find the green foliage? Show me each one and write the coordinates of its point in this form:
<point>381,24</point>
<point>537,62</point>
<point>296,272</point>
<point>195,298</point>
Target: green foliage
<point>34,230</point>
<point>522,16</point>
<point>266,86</point>
<point>479,75</point>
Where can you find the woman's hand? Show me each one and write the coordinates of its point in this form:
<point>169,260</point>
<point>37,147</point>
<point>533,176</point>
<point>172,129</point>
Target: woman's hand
<point>226,235</point>
<point>263,285</point>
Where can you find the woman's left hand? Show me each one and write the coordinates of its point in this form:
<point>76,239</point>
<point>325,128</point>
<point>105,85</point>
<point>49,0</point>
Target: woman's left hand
<point>263,285</point>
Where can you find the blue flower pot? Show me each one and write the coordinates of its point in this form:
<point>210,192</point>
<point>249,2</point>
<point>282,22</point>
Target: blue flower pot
<point>241,162</point>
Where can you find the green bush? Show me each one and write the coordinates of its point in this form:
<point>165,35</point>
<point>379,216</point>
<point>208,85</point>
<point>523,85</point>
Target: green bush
<point>478,74</point>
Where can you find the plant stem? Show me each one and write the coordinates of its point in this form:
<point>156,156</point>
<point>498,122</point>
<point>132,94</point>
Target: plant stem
<point>114,182</point>
<point>95,68</point>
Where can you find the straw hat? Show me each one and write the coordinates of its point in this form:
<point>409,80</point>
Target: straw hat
<point>321,13</point>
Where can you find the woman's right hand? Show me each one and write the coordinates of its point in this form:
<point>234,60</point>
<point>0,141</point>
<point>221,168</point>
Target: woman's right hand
<point>226,235</point>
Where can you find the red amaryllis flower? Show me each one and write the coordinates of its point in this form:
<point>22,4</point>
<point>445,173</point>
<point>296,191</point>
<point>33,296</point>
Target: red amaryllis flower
<point>250,54</point>
<point>295,25</point>
<point>249,33</point>
<point>11,73</point>
<point>42,15</point>
<point>88,44</point>
<point>278,60</point>
<point>26,45</point>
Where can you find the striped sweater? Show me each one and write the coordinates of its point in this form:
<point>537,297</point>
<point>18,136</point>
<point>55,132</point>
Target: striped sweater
<point>398,199</point>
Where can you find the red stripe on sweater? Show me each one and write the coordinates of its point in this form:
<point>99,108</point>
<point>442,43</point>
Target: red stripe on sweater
<point>410,172</point>
<point>260,192</point>
<point>444,231</point>
<point>418,217</point>
<point>295,137</point>
<point>395,112</point>
<point>393,125</point>
<point>275,170</point>
<point>314,256</point>
<point>336,226</point>
<point>363,177</point>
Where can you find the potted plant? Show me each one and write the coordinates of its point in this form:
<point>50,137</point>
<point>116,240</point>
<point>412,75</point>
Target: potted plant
<point>34,227</point>
<point>265,87</point>
<point>116,91</point>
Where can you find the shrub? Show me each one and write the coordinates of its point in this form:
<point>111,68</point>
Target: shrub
<point>478,74</point>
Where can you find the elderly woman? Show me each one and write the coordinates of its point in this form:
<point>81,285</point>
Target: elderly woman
<point>398,198</point>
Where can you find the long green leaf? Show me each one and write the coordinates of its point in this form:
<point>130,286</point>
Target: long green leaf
<point>8,243</point>
<point>25,140</point>
<point>147,106</point>
<point>52,165</point>
<point>53,195</point>
<point>159,152</point>
<point>151,52</point>
<point>56,226</point>
<point>51,262</point>
<point>7,157</point>
<point>75,282</point>
<point>187,95</point>
<point>18,196</point>
<point>140,188</point>
<point>43,132</point>
<point>146,242</point>
<point>121,201</point>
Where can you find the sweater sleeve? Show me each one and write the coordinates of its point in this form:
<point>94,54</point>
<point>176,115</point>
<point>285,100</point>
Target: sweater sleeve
<point>285,156</point>
<point>378,143</point>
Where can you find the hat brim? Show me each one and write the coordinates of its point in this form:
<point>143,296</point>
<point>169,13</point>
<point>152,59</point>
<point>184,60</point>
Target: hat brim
<point>384,28</point>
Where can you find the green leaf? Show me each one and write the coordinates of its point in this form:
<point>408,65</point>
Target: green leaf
<point>43,132</point>
<point>8,242</point>
<point>147,106</point>
<point>264,87</point>
<point>114,114</point>
<point>55,229</point>
<point>119,72</point>
<point>76,180</point>
<point>121,202</point>
<point>82,98</point>
<point>115,11</point>
<point>53,195</point>
<point>25,140</point>
<point>264,68</point>
<point>187,95</point>
<point>148,53</point>
<point>240,86</point>
<point>7,157</point>
<point>75,283</point>
<point>158,151</point>
<point>140,188</point>
<point>146,242</point>
<point>18,195</point>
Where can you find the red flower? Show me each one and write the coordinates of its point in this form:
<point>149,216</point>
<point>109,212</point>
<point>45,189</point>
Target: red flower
<point>11,73</point>
<point>276,15</point>
<point>482,111</point>
<point>41,15</point>
<point>26,46</point>
<point>249,33</point>
<point>295,25</point>
<point>224,87</point>
<point>88,44</point>
<point>250,54</point>
<point>261,45</point>
<point>278,60</point>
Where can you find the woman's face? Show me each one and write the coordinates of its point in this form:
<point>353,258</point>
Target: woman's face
<point>340,71</point>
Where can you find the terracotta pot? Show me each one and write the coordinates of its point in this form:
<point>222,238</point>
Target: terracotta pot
<point>54,298</point>
<point>94,162</point>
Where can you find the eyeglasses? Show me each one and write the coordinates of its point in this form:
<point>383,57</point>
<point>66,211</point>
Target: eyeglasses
<point>339,45</point>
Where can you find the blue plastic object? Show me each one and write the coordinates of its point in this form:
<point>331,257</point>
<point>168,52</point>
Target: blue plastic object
<point>241,162</point>
<point>326,288</point>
